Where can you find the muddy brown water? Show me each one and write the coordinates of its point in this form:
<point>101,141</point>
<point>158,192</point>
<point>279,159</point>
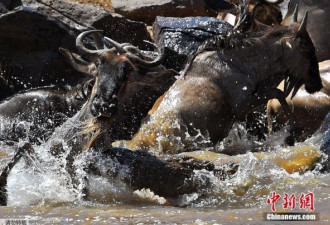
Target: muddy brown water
<point>40,194</point>
<point>39,191</point>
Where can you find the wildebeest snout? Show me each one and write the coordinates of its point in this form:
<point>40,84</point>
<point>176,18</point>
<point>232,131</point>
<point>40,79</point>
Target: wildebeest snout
<point>104,108</point>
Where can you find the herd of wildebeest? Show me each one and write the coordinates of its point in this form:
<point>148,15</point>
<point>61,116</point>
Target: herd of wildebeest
<point>131,96</point>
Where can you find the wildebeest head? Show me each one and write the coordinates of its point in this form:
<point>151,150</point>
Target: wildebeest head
<point>266,12</point>
<point>247,21</point>
<point>112,69</point>
<point>307,70</point>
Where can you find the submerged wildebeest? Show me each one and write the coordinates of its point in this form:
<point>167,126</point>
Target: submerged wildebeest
<point>220,86</point>
<point>127,82</point>
<point>318,25</point>
<point>309,110</point>
<point>34,114</point>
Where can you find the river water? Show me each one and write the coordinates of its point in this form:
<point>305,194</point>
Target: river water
<point>41,194</point>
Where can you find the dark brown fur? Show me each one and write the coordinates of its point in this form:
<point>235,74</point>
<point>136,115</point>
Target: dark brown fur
<point>221,86</point>
<point>122,94</point>
<point>318,24</point>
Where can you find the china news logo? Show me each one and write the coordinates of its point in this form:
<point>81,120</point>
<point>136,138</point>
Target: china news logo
<point>304,201</point>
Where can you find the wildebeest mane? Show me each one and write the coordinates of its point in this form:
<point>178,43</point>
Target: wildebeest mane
<point>249,39</point>
<point>237,40</point>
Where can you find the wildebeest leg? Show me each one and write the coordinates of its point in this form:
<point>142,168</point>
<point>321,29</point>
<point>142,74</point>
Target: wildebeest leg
<point>4,175</point>
<point>70,167</point>
<point>262,97</point>
<point>79,184</point>
<point>280,96</point>
<point>269,114</point>
<point>294,132</point>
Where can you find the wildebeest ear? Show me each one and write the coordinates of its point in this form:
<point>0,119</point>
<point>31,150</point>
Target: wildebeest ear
<point>78,63</point>
<point>303,26</point>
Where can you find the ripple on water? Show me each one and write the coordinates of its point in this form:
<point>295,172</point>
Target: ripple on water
<point>42,190</point>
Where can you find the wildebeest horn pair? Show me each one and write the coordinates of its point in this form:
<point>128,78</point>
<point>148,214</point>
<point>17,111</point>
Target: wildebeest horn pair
<point>126,48</point>
<point>294,18</point>
<point>100,45</point>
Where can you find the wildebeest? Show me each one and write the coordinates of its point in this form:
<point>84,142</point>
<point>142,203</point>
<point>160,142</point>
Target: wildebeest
<point>127,82</point>
<point>266,12</point>
<point>309,110</point>
<point>318,25</point>
<point>34,113</point>
<point>221,86</point>
<point>247,21</point>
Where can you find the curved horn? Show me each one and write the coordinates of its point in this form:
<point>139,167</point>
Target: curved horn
<point>80,46</point>
<point>78,63</point>
<point>159,59</point>
<point>141,53</point>
<point>303,25</point>
<point>132,49</point>
<point>150,43</point>
<point>115,44</point>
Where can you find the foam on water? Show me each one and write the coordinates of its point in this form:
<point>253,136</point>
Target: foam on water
<point>44,180</point>
<point>39,180</point>
<point>239,141</point>
<point>251,185</point>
